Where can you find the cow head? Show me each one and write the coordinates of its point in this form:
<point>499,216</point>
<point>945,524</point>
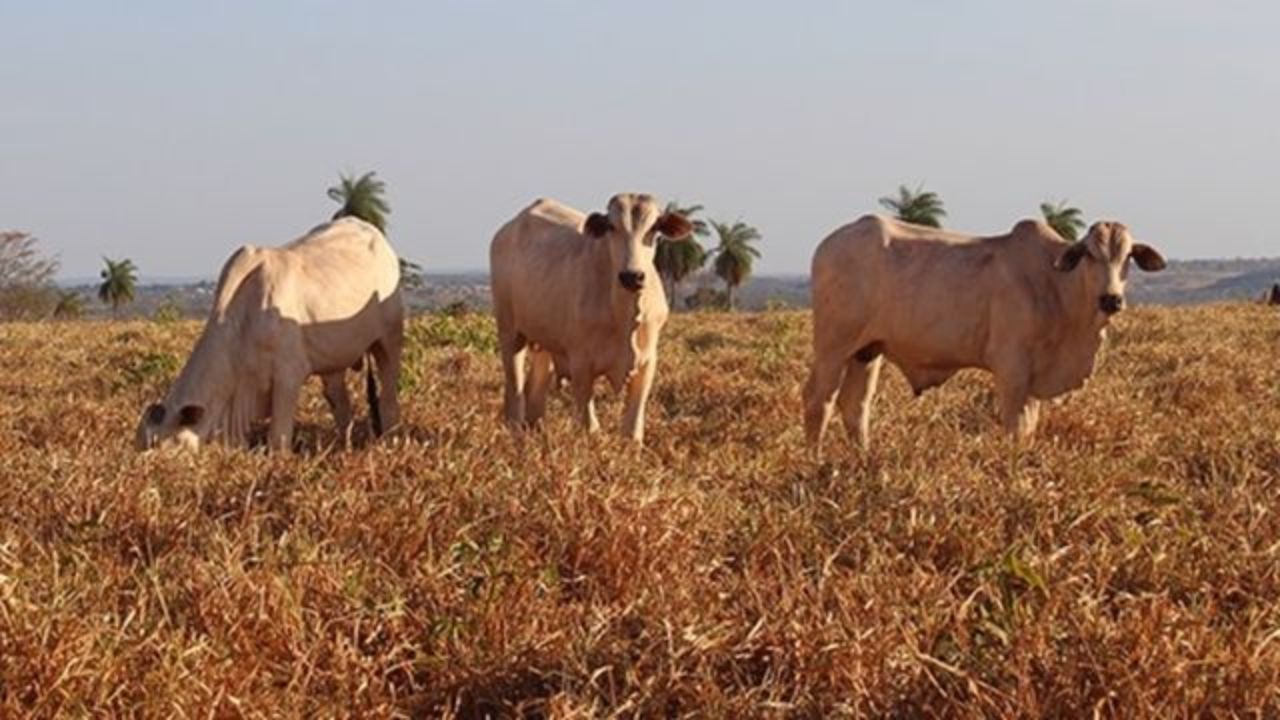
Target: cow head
<point>1103,256</point>
<point>160,426</point>
<point>631,227</point>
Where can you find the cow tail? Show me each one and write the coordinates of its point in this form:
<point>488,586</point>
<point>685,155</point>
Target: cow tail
<point>371,391</point>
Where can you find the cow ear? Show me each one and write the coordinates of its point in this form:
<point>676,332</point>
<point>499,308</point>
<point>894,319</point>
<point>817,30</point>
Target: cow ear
<point>155,414</point>
<point>1147,257</point>
<point>674,226</point>
<point>597,225</point>
<point>190,415</point>
<point>1071,257</point>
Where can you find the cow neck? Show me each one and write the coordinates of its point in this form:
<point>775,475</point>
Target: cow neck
<point>1077,307</point>
<point>208,378</point>
<point>1076,343</point>
<point>627,307</point>
<point>632,310</point>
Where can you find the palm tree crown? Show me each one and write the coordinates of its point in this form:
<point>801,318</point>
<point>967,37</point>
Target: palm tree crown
<point>678,259</point>
<point>363,198</point>
<point>735,254</point>
<point>411,275</point>
<point>119,281</point>
<point>919,206</point>
<point>70,305</point>
<point>1067,221</point>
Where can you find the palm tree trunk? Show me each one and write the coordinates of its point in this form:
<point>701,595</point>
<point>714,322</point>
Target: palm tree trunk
<point>728,291</point>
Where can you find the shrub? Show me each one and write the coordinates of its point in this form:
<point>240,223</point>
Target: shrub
<point>706,298</point>
<point>168,312</point>
<point>465,332</point>
<point>149,368</point>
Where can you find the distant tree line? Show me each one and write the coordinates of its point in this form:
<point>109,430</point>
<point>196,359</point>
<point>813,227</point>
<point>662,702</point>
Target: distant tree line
<point>28,292</point>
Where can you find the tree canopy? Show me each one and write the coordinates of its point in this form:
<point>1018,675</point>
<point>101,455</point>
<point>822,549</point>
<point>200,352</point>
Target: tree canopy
<point>119,283</point>
<point>919,206</point>
<point>678,259</point>
<point>362,197</point>
<point>1067,221</point>
<point>735,255</point>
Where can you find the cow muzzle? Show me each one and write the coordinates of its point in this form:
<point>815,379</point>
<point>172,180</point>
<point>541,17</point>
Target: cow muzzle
<point>631,280</point>
<point>1111,303</point>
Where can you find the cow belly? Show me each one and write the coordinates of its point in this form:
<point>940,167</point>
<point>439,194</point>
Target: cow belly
<point>926,360</point>
<point>333,347</point>
<point>923,378</point>
<point>544,331</point>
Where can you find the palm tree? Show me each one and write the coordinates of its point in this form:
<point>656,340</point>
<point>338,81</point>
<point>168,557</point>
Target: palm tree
<point>1065,220</point>
<point>735,254</point>
<point>918,206</point>
<point>411,275</point>
<point>362,198</point>
<point>677,260</point>
<point>119,281</point>
<point>70,305</point>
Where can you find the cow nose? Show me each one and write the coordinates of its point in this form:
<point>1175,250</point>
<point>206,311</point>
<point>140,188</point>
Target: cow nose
<point>1110,303</point>
<point>631,279</point>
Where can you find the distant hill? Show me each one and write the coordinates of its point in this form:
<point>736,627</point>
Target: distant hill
<point>1183,282</point>
<point>1198,281</point>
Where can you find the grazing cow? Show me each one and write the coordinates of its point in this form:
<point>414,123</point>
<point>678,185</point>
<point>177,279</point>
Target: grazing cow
<point>580,296</point>
<point>316,306</point>
<point>1027,306</point>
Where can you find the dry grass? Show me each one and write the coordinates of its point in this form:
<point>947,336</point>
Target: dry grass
<point>1127,564</point>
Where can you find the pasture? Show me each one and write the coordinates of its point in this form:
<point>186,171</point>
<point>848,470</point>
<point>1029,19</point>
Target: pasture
<point>1125,564</point>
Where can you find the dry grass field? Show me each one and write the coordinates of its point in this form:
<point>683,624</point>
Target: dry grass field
<point>1127,564</point>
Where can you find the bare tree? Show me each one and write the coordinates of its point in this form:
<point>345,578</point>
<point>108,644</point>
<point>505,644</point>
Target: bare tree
<point>26,278</point>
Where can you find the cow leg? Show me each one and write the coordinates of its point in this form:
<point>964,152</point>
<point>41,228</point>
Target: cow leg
<point>513,352</point>
<point>820,395</point>
<point>285,389</point>
<point>857,392</point>
<point>536,386</point>
<point>335,393</point>
<point>1016,407</point>
<point>1032,415</point>
<point>583,397</point>
<point>637,397</point>
<point>386,353</point>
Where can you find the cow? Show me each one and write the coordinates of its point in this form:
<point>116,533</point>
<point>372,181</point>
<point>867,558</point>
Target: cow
<point>1272,296</point>
<point>316,306</point>
<point>579,296</point>
<point>1027,306</point>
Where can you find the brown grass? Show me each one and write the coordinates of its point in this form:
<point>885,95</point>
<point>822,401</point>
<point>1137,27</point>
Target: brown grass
<point>1126,564</point>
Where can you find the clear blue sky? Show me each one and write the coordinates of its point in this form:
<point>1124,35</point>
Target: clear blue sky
<point>172,132</point>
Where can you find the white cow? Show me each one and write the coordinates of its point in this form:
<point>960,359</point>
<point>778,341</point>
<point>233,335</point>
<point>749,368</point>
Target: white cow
<point>1027,306</point>
<point>316,306</point>
<point>580,296</point>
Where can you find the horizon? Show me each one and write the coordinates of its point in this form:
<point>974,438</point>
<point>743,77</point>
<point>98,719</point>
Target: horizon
<point>65,280</point>
<point>161,280</point>
<point>172,135</point>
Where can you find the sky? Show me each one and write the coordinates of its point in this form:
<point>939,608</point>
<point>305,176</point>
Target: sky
<point>174,132</point>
